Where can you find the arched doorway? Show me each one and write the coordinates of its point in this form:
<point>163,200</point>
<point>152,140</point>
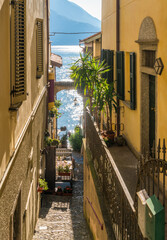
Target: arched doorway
<point>148,44</point>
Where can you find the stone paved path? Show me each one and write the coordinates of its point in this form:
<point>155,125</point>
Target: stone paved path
<point>61,217</point>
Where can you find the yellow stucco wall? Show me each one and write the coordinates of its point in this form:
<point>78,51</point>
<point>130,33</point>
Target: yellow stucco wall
<point>17,173</point>
<point>97,48</point>
<point>132,13</point>
<point>12,124</point>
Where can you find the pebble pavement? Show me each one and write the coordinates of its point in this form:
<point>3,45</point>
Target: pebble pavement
<point>61,217</point>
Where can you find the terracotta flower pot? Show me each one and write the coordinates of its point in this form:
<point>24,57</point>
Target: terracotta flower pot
<point>40,189</point>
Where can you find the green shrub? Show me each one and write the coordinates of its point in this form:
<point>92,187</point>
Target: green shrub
<point>66,169</point>
<point>43,184</point>
<point>60,169</point>
<point>76,139</point>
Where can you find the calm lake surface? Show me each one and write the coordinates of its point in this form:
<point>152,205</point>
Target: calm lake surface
<point>71,111</point>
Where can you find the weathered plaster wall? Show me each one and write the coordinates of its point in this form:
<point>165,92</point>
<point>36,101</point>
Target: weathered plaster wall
<point>21,176</point>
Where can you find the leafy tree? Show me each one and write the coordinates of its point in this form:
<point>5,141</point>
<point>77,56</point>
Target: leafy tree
<point>76,139</point>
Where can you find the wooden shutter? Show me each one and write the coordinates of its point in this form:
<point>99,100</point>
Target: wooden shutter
<point>104,58</point>
<point>39,47</point>
<point>120,75</point>
<point>110,63</point>
<point>18,51</point>
<point>132,81</point>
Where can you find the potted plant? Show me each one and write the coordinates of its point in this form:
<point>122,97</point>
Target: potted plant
<point>51,142</point>
<point>54,112</point>
<point>48,141</point>
<point>55,142</point>
<point>88,72</point>
<point>67,191</point>
<point>59,190</point>
<point>42,185</point>
<point>120,140</point>
<point>66,169</point>
<point>63,171</point>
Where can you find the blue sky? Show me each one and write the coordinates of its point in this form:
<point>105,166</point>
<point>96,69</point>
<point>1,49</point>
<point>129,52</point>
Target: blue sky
<point>93,7</point>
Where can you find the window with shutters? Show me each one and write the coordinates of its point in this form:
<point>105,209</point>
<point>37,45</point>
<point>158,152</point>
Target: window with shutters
<point>39,47</point>
<point>120,74</point>
<point>108,57</point>
<point>130,80</point>
<point>18,52</point>
<point>127,77</point>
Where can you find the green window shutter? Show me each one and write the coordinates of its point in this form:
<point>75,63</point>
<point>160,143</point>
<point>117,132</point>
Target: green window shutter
<point>39,47</point>
<point>120,74</point>
<point>110,63</point>
<point>18,51</point>
<point>104,58</point>
<point>132,81</point>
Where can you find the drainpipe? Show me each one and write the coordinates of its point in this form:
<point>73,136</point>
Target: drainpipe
<point>47,16</point>
<point>117,49</point>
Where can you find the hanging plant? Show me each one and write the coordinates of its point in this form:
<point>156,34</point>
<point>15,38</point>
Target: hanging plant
<point>54,112</point>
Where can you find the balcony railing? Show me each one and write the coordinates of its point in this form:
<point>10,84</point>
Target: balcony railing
<point>119,203</point>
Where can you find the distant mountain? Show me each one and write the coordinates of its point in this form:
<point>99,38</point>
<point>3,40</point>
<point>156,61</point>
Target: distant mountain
<point>69,17</point>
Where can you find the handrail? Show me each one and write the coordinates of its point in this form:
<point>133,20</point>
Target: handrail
<point>121,209</point>
<point>124,187</point>
<point>101,225</point>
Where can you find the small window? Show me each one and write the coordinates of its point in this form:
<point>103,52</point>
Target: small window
<point>148,58</point>
<point>39,47</point>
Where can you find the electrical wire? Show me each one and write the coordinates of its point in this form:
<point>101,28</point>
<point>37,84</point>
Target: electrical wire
<point>54,33</point>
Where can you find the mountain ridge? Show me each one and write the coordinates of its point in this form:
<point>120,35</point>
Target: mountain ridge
<point>60,21</point>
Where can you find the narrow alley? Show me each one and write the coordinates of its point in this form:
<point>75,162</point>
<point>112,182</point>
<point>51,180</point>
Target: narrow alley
<point>61,217</point>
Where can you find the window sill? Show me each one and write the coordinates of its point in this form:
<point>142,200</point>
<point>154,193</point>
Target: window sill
<point>127,104</point>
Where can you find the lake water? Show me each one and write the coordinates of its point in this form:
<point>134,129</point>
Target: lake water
<point>71,111</point>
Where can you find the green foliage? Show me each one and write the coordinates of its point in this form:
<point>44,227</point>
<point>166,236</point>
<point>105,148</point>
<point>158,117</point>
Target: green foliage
<point>43,184</point>
<point>58,103</point>
<point>89,73</point>
<point>48,141</point>
<point>64,169</point>
<point>60,169</point>
<point>54,112</point>
<point>55,142</point>
<point>51,142</point>
<point>76,139</point>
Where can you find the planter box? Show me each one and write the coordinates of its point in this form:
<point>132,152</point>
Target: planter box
<point>59,193</point>
<point>64,174</point>
<point>67,194</point>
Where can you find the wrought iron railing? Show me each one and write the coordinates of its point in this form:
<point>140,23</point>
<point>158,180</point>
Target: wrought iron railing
<point>152,174</point>
<point>116,195</point>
